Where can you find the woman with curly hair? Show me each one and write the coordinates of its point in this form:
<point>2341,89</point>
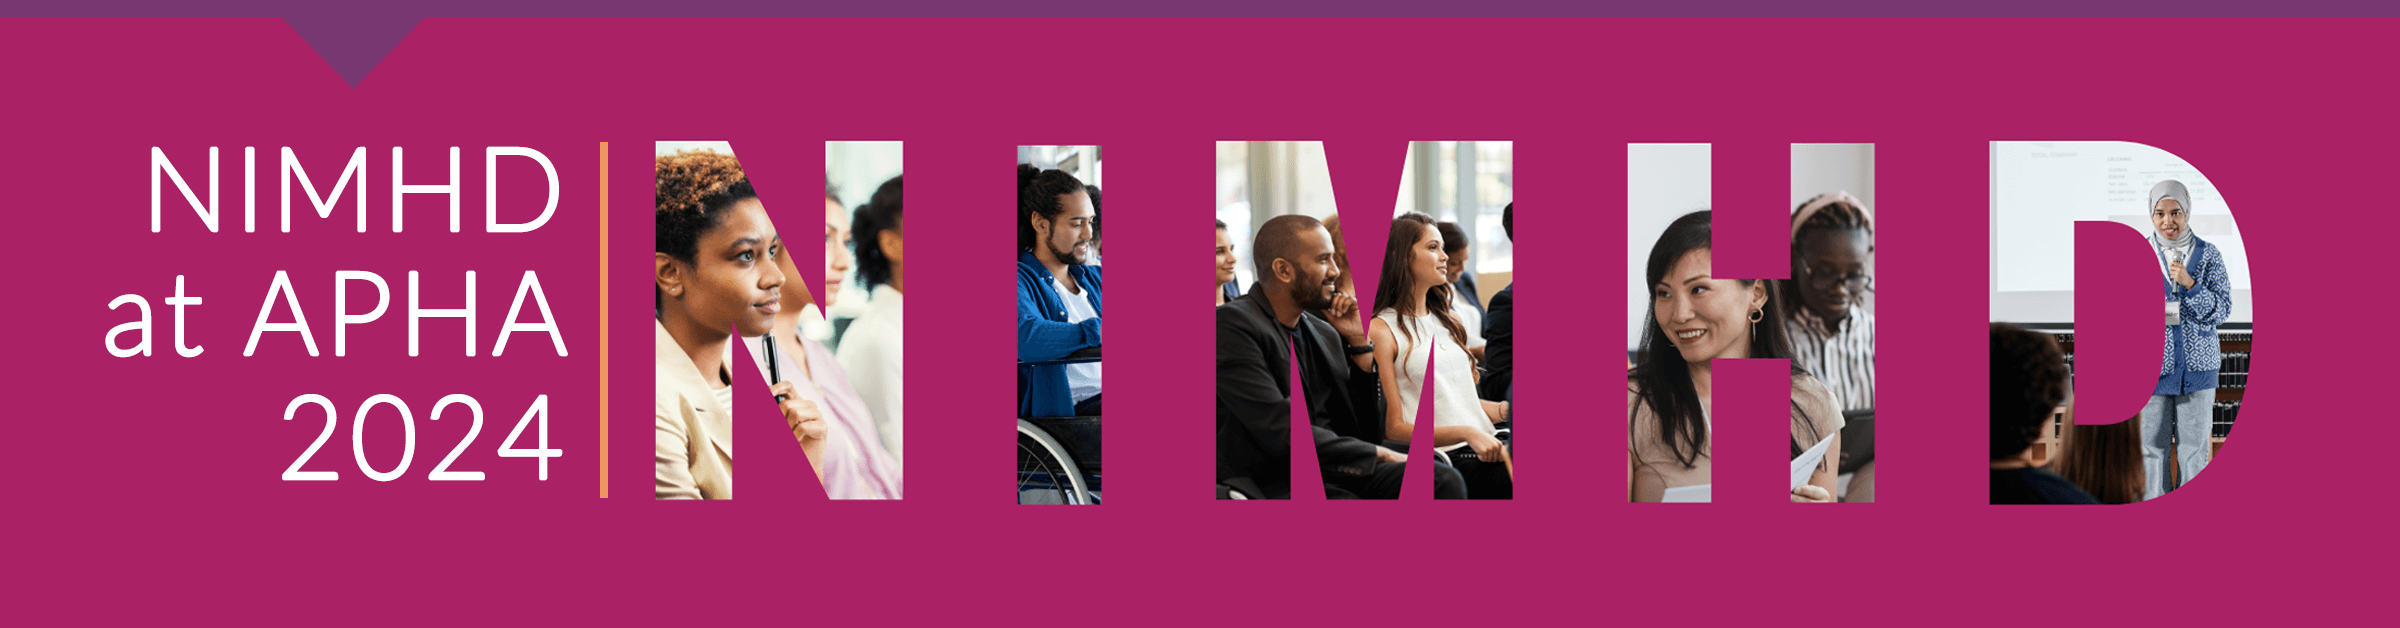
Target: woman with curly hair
<point>720,266</point>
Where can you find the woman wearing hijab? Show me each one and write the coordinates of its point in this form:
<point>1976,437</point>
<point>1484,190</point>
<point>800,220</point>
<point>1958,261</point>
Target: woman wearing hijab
<point>2199,297</point>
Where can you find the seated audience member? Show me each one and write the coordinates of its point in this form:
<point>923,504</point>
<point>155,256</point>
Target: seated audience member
<point>1227,288</point>
<point>1464,299</point>
<point>1831,327</point>
<point>871,348</point>
<point>846,451</point>
<point>720,266</point>
<point>1412,309</point>
<point>1695,319</point>
<point>1499,331</point>
<point>849,457</point>
<point>1833,334</point>
<point>2029,381</point>
<point>1293,312</point>
<point>816,319</point>
<point>1341,255</point>
<point>1093,190</point>
<point>2105,460</point>
<point>1058,296</point>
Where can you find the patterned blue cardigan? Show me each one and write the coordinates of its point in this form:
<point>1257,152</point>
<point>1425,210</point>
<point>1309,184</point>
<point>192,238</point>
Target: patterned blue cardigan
<point>2192,353</point>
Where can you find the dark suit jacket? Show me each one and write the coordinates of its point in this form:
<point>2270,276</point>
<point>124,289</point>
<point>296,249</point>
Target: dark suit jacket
<point>1254,398</point>
<point>1499,345</point>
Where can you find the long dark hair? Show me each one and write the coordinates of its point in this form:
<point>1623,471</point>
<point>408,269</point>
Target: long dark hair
<point>1391,289</point>
<point>880,214</point>
<point>1660,375</point>
<point>1037,193</point>
<point>2106,460</point>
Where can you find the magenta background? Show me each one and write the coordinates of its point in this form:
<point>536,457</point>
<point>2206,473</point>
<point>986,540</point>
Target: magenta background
<point>151,487</point>
<point>2117,350</point>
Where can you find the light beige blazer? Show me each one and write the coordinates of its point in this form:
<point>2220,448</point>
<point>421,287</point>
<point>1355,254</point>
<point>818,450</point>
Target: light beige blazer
<point>1654,466</point>
<point>695,434</point>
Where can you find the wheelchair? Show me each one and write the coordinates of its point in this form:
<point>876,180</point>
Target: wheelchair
<point>1058,458</point>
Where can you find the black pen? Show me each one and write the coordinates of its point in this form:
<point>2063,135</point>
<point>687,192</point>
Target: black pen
<point>774,372</point>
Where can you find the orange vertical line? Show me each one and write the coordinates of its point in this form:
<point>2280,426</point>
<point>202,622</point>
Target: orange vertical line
<point>604,320</point>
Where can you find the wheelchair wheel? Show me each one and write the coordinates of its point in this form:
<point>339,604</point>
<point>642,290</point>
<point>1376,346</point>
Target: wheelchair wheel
<point>1045,473</point>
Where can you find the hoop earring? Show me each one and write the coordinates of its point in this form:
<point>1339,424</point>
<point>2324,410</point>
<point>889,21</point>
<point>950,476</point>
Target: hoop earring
<point>1758,315</point>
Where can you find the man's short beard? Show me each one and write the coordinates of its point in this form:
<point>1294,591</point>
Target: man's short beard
<point>1312,295</point>
<point>1067,256</point>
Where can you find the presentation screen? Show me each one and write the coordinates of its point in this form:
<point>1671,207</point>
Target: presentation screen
<point>2039,191</point>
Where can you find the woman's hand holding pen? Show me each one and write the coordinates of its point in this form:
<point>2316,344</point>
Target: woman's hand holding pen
<point>807,423</point>
<point>802,414</point>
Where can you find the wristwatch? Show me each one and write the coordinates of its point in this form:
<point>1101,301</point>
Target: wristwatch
<point>1362,349</point>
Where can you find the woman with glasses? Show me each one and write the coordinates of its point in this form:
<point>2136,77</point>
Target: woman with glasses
<point>1829,323</point>
<point>1832,333</point>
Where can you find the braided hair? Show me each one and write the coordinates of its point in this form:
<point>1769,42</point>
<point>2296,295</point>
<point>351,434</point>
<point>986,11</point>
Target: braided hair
<point>1836,216</point>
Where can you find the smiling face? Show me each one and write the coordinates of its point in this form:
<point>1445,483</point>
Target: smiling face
<point>1225,257</point>
<point>1311,269</point>
<point>1707,318</point>
<point>1428,266</point>
<point>2169,219</point>
<point>837,250</point>
<point>1069,234</point>
<point>734,280</point>
<point>1835,261</point>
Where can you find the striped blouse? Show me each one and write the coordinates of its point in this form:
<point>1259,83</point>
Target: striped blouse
<point>1844,360</point>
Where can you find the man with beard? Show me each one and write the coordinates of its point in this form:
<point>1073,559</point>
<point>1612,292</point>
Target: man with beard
<point>1295,312</point>
<point>1058,294</point>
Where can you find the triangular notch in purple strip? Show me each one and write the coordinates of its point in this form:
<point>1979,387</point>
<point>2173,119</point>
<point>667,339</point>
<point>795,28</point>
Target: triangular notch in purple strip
<point>353,44</point>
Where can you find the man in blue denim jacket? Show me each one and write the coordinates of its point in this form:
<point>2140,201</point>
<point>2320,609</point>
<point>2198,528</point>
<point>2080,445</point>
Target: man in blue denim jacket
<point>1058,294</point>
<point>2177,416</point>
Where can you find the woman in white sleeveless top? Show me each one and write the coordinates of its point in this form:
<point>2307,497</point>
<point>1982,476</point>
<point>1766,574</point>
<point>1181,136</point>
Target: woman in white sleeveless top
<point>1415,320</point>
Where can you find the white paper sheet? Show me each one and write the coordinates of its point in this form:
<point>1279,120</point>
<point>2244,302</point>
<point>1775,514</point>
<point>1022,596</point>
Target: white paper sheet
<point>1806,464</point>
<point>1687,495</point>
